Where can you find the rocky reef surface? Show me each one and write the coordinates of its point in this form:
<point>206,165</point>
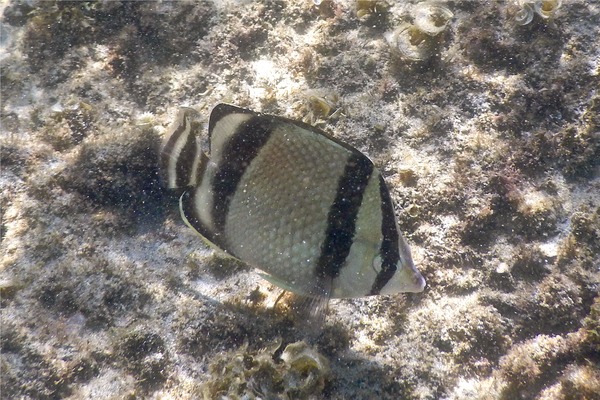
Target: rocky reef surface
<point>485,125</point>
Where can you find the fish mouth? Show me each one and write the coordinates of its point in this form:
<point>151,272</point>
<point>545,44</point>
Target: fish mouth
<point>419,282</point>
<point>407,280</point>
<point>413,281</point>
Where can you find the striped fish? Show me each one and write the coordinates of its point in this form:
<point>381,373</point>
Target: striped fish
<point>312,213</point>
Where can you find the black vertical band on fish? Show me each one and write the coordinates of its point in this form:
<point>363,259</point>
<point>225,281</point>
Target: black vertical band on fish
<point>221,111</point>
<point>184,168</point>
<point>168,153</point>
<point>239,152</point>
<point>389,245</point>
<point>180,157</point>
<point>191,217</point>
<point>341,221</point>
<point>308,210</point>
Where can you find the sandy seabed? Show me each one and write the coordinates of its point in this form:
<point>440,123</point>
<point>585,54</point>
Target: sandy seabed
<point>487,134</point>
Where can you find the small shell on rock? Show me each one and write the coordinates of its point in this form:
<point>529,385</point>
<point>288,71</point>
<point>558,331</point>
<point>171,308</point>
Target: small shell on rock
<point>431,18</point>
<point>303,357</point>
<point>525,15</point>
<point>308,369</point>
<point>319,106</point>
<point>544,8</point>
<point>145,119</point>
<point>411,42</point>
<point>365,8</point>
<point>547,8</point>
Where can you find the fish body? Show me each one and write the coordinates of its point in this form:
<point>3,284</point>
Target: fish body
<point>312,213</point>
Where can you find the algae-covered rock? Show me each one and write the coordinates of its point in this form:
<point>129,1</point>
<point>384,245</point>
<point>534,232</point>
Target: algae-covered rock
<point>247,374</point>
<point>486,131</point>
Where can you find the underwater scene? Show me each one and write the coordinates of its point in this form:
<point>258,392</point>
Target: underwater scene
<point>303,199</point>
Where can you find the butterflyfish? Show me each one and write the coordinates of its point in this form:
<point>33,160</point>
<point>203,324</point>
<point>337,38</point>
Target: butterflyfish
<point>310,212</point>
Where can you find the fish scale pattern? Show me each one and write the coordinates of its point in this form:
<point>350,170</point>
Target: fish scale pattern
<point>278,215</point>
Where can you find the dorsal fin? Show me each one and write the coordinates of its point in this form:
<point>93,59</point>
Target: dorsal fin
<point>181,157</point>
<point>222,110</point>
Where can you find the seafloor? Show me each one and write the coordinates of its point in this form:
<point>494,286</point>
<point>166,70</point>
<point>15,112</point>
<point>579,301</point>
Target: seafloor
<point>490,144</point>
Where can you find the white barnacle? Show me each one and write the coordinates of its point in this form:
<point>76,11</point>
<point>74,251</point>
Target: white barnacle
<point>525,15</point>
<point>528,8</point>
<point>431,18</point>
<point>547,8</point>
<point>411,42</point>
<point>145,119</point>
<point>303,357</point>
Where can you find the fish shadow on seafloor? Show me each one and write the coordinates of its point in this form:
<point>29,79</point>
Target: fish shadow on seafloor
<point>233,326</point>
<point>221,326</point>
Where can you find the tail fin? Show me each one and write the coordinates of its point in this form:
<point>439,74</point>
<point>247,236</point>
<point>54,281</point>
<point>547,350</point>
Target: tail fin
<point>181,158</point>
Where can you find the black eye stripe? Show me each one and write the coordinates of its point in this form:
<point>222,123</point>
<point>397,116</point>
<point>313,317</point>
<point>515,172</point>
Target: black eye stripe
<point>389,246</point>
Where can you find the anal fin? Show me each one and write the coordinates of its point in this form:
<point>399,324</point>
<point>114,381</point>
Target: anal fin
<point>308,305</point>
<point>309,314</point>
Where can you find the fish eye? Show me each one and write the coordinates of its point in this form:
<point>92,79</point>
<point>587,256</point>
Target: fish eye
<point>377,264</point>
